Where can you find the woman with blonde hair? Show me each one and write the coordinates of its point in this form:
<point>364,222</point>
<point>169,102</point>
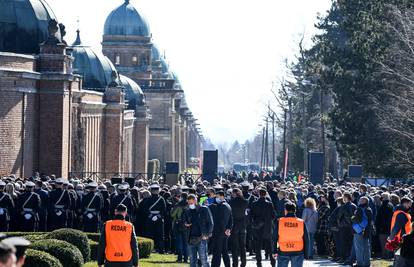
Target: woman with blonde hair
<point>310,216</point>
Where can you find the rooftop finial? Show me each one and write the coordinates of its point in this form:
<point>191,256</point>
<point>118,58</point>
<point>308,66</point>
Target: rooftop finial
<point>78,40</point>
<point>127,2</point>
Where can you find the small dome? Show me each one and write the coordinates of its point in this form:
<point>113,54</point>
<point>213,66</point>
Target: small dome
<point>125,20</point>
<point>133,92</point>
<point>24,25</point>
<point>155,53</point>
<point>95,68</point>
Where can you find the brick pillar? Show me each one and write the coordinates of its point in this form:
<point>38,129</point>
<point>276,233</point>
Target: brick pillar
<point>141,139</point>
<point>54,107</point>
<point>114,118</point>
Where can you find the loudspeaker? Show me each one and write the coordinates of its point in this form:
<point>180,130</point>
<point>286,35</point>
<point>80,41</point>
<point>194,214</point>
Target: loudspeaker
<point>316,162</point>
<point>130,181</point>
<point>116,180</point>
<point>172,170</point>
<point>355,171</point>
<point>172,167</point>
<point>210,164</point>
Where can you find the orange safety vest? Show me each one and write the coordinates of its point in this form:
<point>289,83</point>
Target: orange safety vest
<point>291,232</point>
<point>407,227</point>
<point>118,241</point>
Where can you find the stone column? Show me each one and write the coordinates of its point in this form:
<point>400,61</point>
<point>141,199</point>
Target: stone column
<point>54,105</point>
<point>141,139</point>
<point>114,118</point>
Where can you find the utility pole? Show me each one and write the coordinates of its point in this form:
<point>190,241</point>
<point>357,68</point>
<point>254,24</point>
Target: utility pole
<point>267,143</point>
<point>284,137</point>
<point>262,152</point>
<point>305,135</point>
<point>323,131</point>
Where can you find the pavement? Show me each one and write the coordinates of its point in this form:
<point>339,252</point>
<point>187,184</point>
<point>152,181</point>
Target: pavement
<point>251,262</point>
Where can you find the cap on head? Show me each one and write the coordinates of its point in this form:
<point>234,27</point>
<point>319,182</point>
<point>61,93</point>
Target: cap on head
<point>123,186</point>
<point>19,243</point>
<point>155,187</point>
<point>92,185</point>
<point>60,181</point>
<point>121,208</point>
<point>29,184</point>
<point>2,183</point>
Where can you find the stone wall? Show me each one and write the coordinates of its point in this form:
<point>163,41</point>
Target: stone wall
<point>18,114</point>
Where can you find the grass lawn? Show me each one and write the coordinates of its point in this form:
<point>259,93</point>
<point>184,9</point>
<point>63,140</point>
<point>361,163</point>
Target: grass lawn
<point>381,263</point>
<point>154,261</point>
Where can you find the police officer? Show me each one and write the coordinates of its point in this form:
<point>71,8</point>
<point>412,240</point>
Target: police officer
<point>90,208</point>
<point>7,257</point>
<point>6,206</point>
<point>21,245</point>
<point>28,205</point>
<point>123,197</point>
<point>59,202</point>
<point>290,237</point>
<point>154,210</point>
<point>44,198</point>
<point>117,244</point>
<point>71,211</point>
<point>106,202</point>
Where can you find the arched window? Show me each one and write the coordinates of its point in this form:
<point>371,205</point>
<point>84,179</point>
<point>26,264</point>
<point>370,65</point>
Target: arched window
<point>134,59</point>
<point>117,59</point>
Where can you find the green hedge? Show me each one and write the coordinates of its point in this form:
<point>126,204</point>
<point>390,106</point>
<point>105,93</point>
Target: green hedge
<point>66,253</point>
<point>40,259</point>
<point>75,237</point>
<point>145,246</point>
<point>34,238</point>
<point>94,249</point>
<point>23,233</point>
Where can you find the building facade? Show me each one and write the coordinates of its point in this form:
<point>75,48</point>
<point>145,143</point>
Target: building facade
<point>67,109</point>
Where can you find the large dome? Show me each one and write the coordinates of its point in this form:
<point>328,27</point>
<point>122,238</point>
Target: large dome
<point>24,25</point>
<point>125,20</point>
<point>95,68</point>
<point>133,92</point>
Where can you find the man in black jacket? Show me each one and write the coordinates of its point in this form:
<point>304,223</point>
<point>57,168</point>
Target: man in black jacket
<point>223,223</point>
<point>239,207</point>
<point>199,223</point>
<point>345,214</point>
<point>262,216</point>
<point>383,223</point>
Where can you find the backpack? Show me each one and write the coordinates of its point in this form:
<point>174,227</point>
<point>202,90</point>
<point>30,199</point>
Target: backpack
<point>359,228</point>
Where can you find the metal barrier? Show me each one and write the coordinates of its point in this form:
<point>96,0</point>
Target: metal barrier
<point>99,176</point>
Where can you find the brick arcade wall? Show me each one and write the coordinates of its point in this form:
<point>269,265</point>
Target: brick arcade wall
<point>18,115</point>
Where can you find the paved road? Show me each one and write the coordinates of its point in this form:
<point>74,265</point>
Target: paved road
<point>251,262</point>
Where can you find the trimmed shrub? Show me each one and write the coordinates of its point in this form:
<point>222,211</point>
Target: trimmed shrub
<point>94,249</point>
<point>145,247</point>
<point>66,253</point>
<point>75,237</point>
<point>34,238</point>
<point>40,259</point>
<point>22,233</point>
<point>94,236</point>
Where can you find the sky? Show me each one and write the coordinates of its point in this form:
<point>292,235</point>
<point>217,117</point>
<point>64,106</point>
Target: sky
<point>226,53</point>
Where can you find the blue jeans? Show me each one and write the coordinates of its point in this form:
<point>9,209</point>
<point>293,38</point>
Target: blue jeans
<point>362,250</point>
<point>202,250</point>
<point>296,261</point>
<point>309,244</point>
<point>181,245</point>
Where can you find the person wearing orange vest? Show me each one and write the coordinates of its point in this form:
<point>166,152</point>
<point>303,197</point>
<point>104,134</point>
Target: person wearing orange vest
<point>290,238</point>
<point>400,226</point>
<point>118,243</point>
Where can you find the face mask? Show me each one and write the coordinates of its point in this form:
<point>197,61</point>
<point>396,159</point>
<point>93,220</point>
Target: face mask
<point>218,200</point>
<point>192,206</point>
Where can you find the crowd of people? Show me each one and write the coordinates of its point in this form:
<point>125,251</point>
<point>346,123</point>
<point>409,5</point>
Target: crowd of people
<point>237,216</point>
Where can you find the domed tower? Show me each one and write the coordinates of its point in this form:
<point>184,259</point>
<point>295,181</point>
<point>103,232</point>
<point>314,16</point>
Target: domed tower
<point>127,42</point>
<point>24,25</point>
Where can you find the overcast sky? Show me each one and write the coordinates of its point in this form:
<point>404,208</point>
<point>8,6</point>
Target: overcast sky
<point>225,52</point>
